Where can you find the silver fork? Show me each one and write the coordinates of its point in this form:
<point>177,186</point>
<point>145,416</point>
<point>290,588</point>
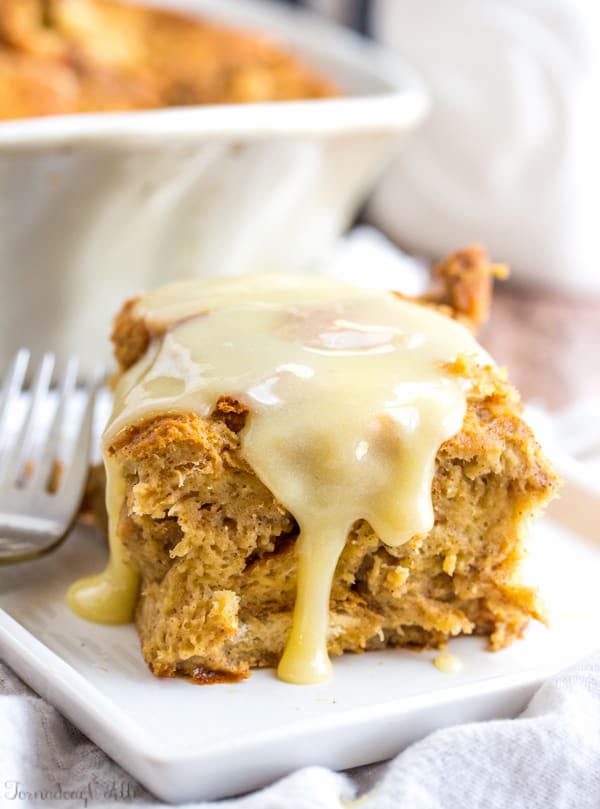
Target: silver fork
<point>39,497</point>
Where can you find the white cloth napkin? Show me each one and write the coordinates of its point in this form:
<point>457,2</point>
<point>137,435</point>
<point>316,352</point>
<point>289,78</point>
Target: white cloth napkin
<point>509,155</point>
<point>548,758</point>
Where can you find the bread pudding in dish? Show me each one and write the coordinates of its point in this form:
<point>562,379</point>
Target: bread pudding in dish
<point>77,56</point>
<point>299,468</point>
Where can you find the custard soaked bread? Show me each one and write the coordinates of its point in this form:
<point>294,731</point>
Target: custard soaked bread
<point>73,56</point>
<point>300,466</point>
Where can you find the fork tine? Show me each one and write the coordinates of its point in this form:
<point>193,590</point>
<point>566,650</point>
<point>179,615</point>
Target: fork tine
<point>21,449</point>
<point>33,520</point>
<point>48,456</point>
<point>72,483</point>
<point>13,382</point>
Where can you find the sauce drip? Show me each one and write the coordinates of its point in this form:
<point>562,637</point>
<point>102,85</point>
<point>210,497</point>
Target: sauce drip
<point>349,399</point>
<point>108,597</point>
<point>448,663</point>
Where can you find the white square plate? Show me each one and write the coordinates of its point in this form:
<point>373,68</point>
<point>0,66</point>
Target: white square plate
<point>185,742</point>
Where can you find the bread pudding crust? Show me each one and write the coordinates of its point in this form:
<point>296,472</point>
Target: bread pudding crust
<point>216,550</point>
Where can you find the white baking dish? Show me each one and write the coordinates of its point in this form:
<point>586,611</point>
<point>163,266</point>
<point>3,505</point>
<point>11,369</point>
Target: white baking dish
<point>94,208</point>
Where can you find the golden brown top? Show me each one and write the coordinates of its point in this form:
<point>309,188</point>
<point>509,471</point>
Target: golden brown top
<point>70,56</point>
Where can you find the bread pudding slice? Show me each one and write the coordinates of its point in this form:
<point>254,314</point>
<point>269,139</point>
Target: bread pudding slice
<point>217,552</point>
